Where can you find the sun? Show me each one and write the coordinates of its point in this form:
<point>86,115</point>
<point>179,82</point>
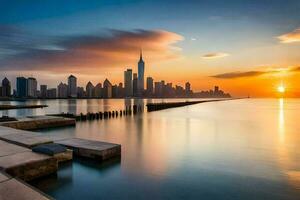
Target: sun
<point>281,89</point>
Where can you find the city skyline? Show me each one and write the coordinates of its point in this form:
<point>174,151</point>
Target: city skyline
<point>133,88</point>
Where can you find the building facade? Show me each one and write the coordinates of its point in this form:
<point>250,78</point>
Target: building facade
<point>31,87</point>
<point>62,90</point>
<point>72,86</point>
<point>107,89</point>
<point>141,74</point>
<point>6,88</point>
<point>149,86</point>
<point>89,90</point>
<point>128,83</point>
<point>21,87</point>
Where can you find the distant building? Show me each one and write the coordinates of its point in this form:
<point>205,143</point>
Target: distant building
<point>120,90</point>
<point>128,82</point>
<point>107,89</point>
<point>187,89</point>
<point>141,74</point>
<point>31,87</point>
<point>158,89</point>
<point>72,86</point>
<point>98,90</point>
<point>6,88</point>
<point>51,93</point>
<point>89,90</point>
<point>135,85</point>
<point>43,91</point>
<point>21,87</point>
<point>114,90</point>
<point>80,92</point>
<point>62,90</point>
<point>149,86</point>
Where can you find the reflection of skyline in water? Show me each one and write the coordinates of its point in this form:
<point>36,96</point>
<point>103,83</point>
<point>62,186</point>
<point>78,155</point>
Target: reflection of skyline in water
<point>77,106</point>
<point>199,149</point>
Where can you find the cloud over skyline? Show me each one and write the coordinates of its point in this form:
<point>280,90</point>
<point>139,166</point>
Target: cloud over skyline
<point>215,55</point>
<point>84,53</point>
<point>254,73</point>
<point>290,37</point>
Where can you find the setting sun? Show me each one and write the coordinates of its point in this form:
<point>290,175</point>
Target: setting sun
<point>281,89</point>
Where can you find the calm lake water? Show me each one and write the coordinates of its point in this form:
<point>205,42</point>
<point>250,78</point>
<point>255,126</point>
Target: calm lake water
<point>241,149</point>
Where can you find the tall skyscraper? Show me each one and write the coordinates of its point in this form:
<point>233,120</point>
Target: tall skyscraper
<point>149,86</point>
<point>128,82</point>
<point>43,91</point>
<point>21,87</point>
<point>141,73</point>
<point>135,85</point>
<point>187,89</point>
<point>98,90</point>
<point>72,86</point>
<point>107,89</point>
<point>62,90</point>
<point>89,90</point>
<point>31,87</point>
<point>6,88</point>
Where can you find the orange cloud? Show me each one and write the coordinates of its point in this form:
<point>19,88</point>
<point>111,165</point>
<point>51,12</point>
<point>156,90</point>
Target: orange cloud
<point>86,54</point>
<point>272,71</point>
<point>291,37</point>
<point>215,55</point>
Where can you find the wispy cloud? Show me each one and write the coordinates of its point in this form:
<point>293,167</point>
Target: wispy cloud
<point>85,53</point>
<point>254,73</point>
<point>215,55</point>
<point>290,37</point>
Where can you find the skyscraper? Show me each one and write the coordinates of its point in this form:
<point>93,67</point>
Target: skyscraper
<point>21,87</point>
<point>128,82</point>
<point>89,90</point>
<point>135,85</point>
<point>107,89</point>
<point>187,89</point>
<point>31,87</point>
<point>43,91</point>
<point>62,90</point>
<point>72,86</point>
<point>149,86</point>
<point>98,90</point>
<point>6,88</point>
<point>141,73</point>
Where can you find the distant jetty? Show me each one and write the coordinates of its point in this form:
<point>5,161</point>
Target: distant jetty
<point>10,107</point>
<point>161,106</point>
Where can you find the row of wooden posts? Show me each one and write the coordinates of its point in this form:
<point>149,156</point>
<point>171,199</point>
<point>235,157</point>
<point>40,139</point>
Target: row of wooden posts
<point>135,109</point>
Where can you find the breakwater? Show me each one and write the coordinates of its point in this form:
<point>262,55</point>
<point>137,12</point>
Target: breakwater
<point>162,106</point>
<point>10,107</point>
<point>128,111</point>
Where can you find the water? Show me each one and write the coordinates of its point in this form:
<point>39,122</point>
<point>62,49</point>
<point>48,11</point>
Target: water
<point>241,149</point>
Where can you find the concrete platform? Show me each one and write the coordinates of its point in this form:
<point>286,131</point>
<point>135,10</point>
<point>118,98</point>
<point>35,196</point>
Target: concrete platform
<point>28,165</point>
<point>39,122</point>
<point>92,149</point>
<point>7,149</point>
<point>11,188</point>
<point>28,140</point>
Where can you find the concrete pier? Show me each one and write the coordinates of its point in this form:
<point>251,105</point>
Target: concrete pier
<point>11,188</point>
<point>23,138</point>
<point>162,106</point>
<point>23,163</point>
<point>9,107</point>
<point>39,122</point>
<point>92,149</point>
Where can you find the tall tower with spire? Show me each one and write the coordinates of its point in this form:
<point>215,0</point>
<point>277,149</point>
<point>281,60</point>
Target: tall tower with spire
<point>141,74</point>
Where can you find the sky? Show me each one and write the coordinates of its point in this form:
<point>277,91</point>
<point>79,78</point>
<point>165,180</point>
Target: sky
<point>248,47</point>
